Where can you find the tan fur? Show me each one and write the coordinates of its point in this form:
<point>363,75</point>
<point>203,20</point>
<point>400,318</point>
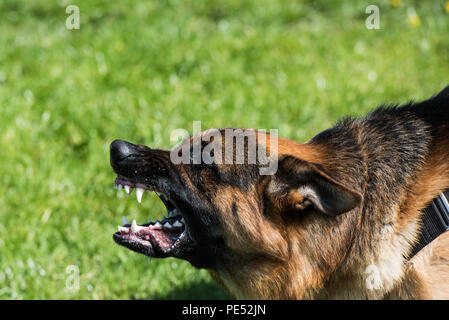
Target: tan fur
<point>339,217</point>
<point>294,268</point>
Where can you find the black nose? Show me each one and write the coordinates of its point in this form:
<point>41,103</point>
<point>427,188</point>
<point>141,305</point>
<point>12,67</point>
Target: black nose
<point>121,149</point>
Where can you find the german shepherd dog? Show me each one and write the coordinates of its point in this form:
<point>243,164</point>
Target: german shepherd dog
<point>340,210</point>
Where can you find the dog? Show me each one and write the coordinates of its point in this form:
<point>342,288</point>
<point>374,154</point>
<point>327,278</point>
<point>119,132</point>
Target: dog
<point>337,219</point>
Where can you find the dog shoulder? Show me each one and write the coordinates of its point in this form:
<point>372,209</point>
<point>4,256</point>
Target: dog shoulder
<point>427,274</point>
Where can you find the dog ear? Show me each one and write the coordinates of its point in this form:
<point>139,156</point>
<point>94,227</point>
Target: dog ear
<point>299,185</point>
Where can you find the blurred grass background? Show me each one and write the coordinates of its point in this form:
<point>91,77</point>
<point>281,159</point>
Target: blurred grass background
<point>137,70</point>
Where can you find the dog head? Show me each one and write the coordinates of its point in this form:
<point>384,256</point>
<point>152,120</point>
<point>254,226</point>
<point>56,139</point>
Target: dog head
<point>227,216</point>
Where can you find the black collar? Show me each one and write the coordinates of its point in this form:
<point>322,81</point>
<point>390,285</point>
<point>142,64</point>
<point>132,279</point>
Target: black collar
<point>435,221</point>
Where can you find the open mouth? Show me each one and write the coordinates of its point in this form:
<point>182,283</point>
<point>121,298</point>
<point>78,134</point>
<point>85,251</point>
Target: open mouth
<point>154,238</point>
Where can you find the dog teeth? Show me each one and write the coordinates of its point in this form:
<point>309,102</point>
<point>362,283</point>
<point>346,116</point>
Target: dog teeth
<point>128,190</point>
<point>123,229</point>
<point>139,191</point>
<point>166,222</point>
<point>134,227</point>
<point>139,194</point>
<point>177,224</point>
<point>167,225</point>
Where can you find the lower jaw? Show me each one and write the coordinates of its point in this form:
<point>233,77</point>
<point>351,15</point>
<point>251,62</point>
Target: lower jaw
<point>146,249</point>
<point>151,241</point>
<point>154,239</point>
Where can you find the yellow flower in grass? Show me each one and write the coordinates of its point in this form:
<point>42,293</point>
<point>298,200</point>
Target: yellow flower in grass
<point>413,18</point>
<point>446,6</point>
<point>396,3</point>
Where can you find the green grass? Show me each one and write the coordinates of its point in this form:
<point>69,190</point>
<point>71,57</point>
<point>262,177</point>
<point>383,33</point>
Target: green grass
<point>136,70</point>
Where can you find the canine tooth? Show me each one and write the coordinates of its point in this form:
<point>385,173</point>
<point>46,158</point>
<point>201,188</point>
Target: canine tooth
<point>128,190</point>
<point>125,221</point>
<point>119,187</point>
<point>139,194</point>
<point>134,227</point>
<point>158,193</point>
<point>115,186</point>
<point>167,225</point>
<point>171,214</point>
<point>157,224</point>
<point>177,224</point>
<point>183,221</point>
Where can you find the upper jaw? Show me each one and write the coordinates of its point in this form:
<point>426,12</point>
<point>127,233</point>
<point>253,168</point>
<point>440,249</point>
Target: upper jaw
<point>143,169</point>
<point>154,238</point>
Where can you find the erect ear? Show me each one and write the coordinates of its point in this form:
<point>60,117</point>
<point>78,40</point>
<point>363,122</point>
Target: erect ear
<point>298,185</point>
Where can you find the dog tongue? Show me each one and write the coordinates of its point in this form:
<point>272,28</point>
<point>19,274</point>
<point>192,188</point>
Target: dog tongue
<point>163,239</point>
<point>159,235</point>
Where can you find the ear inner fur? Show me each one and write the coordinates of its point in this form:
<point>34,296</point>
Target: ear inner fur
<point>305,181</point>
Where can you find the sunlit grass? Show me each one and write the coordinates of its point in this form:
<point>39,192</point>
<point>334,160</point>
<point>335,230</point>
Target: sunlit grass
<point>137,70</point>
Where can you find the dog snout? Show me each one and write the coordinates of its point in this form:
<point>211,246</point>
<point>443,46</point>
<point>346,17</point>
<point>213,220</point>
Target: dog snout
<point>121,150</point>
